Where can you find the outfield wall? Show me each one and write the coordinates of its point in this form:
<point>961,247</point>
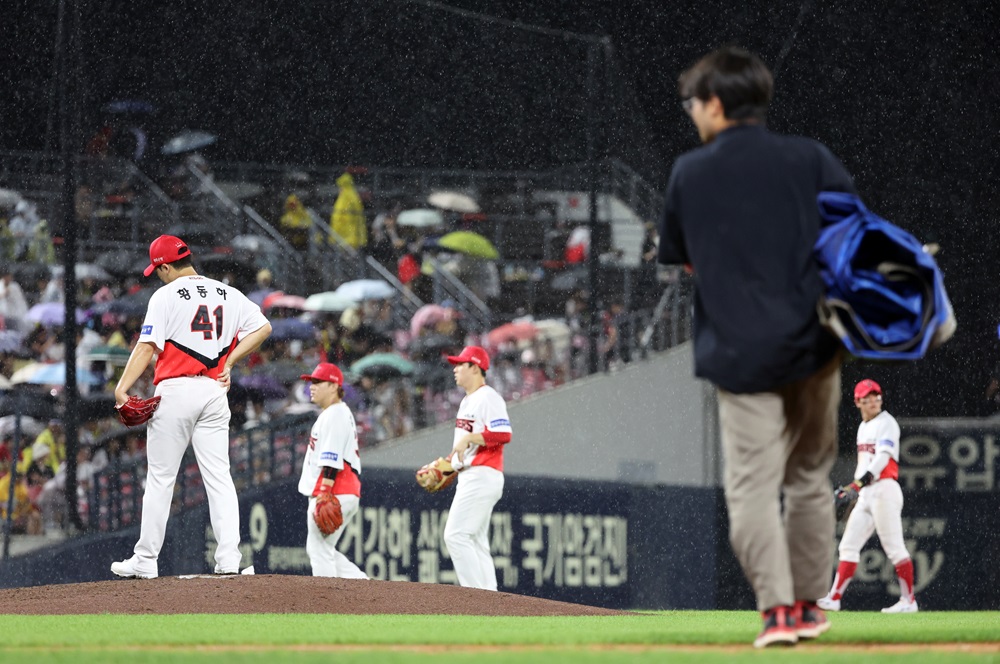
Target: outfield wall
<point>609,544</point>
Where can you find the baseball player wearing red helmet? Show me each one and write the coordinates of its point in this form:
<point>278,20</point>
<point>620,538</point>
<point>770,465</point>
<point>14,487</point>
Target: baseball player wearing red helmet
<point>199,329</point>
<point>482,429</point>
<point>331,464</point>
<point>880,502</point>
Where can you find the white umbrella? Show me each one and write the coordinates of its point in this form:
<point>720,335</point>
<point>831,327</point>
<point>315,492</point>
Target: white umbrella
<point>84,271</point>
<point>454,201</point>
<point>254,243</point>
<point>366,289</point>
<point>329,301</point>
<point>188,141</point>
<point>420,218</point>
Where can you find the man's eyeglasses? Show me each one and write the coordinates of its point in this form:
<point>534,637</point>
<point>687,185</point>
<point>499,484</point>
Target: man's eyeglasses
<point>688,104</point>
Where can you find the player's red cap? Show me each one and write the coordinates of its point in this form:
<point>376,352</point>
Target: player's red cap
<point>325,371</point>
<point>473,354</point>
<point>866,387</point>
<point>165,249</point>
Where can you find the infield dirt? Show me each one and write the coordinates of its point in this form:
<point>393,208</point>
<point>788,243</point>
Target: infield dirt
<point>274,593</point>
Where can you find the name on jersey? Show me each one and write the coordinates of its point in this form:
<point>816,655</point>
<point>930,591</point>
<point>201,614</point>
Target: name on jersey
<point>499,423</point>
<point>329,456</point>
<point>465,425</point>
<point>146,329</point>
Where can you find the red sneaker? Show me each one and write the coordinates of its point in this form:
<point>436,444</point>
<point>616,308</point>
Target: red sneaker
<point>810,620</point>
<point>779,628</point>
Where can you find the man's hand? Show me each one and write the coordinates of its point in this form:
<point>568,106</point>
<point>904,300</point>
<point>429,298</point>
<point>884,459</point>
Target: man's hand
<point>225,377</point>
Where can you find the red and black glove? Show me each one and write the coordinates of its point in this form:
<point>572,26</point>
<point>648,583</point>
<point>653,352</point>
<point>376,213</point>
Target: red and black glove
<point>328,515</point>
<point>137,411</point>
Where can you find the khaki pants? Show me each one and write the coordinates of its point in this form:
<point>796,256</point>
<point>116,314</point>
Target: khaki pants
<point>782,442</point>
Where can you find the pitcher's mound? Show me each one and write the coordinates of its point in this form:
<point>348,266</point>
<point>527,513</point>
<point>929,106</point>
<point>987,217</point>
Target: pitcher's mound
<point>278,593</point>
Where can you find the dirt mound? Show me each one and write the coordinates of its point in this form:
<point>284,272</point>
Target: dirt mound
<point>276,593</point>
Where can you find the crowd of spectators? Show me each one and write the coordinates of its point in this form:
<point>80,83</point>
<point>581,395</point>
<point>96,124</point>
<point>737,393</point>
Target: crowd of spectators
<point>389,398</point>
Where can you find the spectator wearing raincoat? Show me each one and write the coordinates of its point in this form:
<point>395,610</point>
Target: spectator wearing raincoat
<point>348,218</point>
<point>295,222</point>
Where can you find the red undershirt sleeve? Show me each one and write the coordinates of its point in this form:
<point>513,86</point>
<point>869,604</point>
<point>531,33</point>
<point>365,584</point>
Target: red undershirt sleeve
<point>495,438</point>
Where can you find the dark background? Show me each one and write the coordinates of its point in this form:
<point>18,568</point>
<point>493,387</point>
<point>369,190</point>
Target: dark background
<point>905,93</point>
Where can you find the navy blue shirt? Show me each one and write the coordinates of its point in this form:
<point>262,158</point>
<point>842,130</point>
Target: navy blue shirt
<point>742,211</point>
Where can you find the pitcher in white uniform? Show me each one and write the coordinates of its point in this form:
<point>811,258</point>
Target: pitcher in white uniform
<point>198,328</point>
<point>880,502</point>
<point>331,463</point>
<point>482,429</point>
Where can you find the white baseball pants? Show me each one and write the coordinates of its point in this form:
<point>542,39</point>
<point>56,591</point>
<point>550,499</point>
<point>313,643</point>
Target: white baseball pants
<point>879,510</point>
<point>322,549</point>
<point>467,532</point>
<point>193,410</point>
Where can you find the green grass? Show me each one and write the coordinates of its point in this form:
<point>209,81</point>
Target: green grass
<point>698,636</point>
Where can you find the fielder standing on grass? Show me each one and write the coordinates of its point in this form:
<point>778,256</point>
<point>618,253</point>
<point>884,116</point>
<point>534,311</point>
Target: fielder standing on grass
<point>330,474</point>
<point>482,429</point>
<point>741,211</point>
<point>879,499</point>
<point>199,329</point>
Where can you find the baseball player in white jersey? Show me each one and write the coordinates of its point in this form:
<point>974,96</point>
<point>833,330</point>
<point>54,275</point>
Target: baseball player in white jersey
<point>198,328</point>
<point>880,502</point>
<point>482,428</point>
<point>331,464</point>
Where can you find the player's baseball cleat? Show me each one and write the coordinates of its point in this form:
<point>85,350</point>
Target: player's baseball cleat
<point>810,621</point>
<point>225,572</point>
<point>902,606</point>
<point>127,569</point>
<point>828,604</point>
<point>779,628</point>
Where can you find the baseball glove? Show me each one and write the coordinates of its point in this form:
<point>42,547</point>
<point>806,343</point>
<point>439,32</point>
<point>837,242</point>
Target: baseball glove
<point>846,496</point>
<point>436,475</point>
<point>328,515</point>
<point>137,411</point>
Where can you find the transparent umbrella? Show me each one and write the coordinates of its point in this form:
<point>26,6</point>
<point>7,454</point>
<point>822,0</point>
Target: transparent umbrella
<point>366,289</point>
<point>329,301</point>
<point>420,218</point>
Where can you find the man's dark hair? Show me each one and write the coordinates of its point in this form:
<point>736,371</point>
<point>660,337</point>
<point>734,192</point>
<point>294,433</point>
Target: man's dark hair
<point>740,80</point>
<point>481,370</point>
<point>182,263</point>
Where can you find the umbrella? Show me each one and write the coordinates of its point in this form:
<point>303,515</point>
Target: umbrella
<point>468,243</point>
<point>188,141</point>
<point>366,289</point>
<point>432,346</point>
<point>10,341</point>
<point>30,403</point>
<point>453,200</point>
<point>884,294</point>
<point>420,218</point>
<point>514,331</point>
<point>85,271</point>
<point>122,262</point>
<point>285,329</point>
<point>429,315</point>
<point>266,387</point>
<point>435,375</point>
<point>30,427</point>
<point>55,374</point>
<point>9,198</point>
<point>51,314</point>
<point>555,330</point>
<point>286,371</point>
<point>255,243</point>
<point>383,365</point>
<point>279,300</point>
<point>25,273</point>
<point>112,354</point>
<point>569,280</point>
<point>216,265</point>
<point>124,106</point>
<point>127,305</point>
<point>328,301</point>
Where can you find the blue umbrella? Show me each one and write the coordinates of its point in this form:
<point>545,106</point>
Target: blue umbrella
<point>884,294</point>
<point>52,314</point>
<point>267,386</point>
<point>285,329</point>
<point>55,374</point>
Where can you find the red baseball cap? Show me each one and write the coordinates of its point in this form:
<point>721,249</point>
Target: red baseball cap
<point>165,249</point>
<point>327,372</point>
<point>473,354</point>
<point>866,387</point>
